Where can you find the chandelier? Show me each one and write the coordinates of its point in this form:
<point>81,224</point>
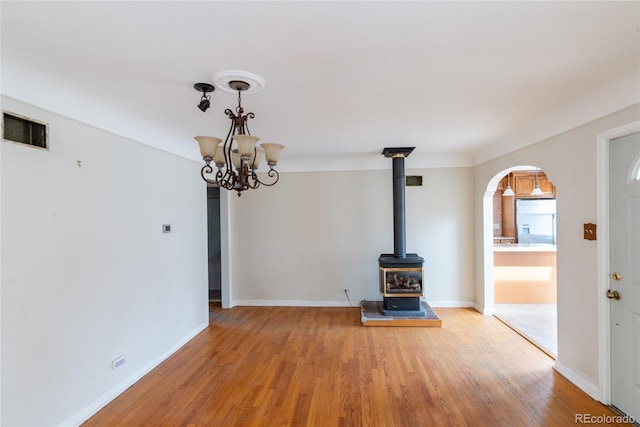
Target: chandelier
<point>237,159</point>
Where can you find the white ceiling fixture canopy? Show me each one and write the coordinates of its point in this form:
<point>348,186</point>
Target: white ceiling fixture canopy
<point>221,80</point>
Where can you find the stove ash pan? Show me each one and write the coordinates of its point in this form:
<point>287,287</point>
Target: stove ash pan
<point>401,277</point>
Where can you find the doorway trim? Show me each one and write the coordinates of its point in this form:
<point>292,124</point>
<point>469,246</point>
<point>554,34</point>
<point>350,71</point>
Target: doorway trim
<point>602,219</point>
<point>225,250</point>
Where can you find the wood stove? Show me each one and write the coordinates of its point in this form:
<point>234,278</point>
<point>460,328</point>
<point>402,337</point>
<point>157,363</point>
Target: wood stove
<point>401,274</point>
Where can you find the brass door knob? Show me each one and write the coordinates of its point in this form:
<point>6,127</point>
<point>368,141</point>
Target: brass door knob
<point>613,295</point>
<point>616,276</point>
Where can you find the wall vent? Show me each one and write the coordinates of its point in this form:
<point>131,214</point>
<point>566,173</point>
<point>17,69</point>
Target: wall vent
<point>24,130</point>
<point>414,180</point>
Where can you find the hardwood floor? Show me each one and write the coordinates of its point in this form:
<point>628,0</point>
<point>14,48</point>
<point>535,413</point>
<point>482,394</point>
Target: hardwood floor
<point>306,366</point>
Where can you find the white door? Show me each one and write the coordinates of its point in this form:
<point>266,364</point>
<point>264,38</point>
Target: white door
<point>624,213</point>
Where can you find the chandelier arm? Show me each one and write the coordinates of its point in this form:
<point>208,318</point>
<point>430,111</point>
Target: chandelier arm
<point>272,173</point>
<point>219,176</point>
<point>228,143</point>
<point>211,182</point>
<point>245,122</point>
<point>255,181</point>
<point>227,181</point>
<point>207,169</point>
<point>229,185</point>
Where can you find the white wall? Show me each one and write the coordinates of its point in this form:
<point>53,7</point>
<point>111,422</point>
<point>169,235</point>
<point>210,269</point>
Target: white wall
<point>570,161</point>
<point>87,274</point>
<point>305,240</point>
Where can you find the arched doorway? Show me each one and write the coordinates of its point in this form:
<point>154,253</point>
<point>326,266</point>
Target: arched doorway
<point>523,254</point>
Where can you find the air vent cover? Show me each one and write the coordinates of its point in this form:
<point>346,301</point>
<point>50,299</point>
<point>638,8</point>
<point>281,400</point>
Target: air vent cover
<point>24,130</point>
<point>414,180</point>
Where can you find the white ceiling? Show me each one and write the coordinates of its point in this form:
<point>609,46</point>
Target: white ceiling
<point>462,81</point>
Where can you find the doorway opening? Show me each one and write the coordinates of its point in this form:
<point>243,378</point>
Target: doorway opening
<point>214,243</point>
<point>524,256</point>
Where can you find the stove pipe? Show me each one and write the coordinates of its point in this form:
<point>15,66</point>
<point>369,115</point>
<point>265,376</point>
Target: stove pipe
<point>398,154</point>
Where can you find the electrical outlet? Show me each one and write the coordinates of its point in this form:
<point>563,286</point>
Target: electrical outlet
<point>117,362</point>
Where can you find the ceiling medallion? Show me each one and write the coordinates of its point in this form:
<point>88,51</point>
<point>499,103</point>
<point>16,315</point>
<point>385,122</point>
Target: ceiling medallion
<point>222,80</point>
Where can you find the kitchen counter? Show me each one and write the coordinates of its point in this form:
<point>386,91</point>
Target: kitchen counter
<point>524,273</point>
<point>524,247</point>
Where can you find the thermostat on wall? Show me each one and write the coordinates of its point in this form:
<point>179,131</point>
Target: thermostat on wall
<point>166,228</point>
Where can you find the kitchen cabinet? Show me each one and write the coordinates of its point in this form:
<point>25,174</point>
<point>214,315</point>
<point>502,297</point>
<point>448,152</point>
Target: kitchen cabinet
<point>524,182</point>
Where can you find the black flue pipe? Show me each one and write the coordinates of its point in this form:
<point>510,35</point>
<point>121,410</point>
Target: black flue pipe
<point>399,217</point>
<point>399,181</point>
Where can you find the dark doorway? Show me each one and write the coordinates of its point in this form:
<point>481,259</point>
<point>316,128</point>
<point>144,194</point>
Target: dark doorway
<point>213,227</point>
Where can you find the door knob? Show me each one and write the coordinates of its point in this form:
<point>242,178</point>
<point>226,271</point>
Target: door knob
<point>613,295</point>
<point>616,276</point>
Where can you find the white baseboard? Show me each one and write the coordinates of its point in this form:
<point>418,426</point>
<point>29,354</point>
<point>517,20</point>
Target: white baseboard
<point>452,304</point>
<point>581,382</point>
<point>292,303</point>
<point>91,409</point>
<point>331,303</point>
<point>487,311</point>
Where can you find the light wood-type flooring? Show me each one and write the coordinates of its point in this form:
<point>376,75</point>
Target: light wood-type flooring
<point>307,366</point>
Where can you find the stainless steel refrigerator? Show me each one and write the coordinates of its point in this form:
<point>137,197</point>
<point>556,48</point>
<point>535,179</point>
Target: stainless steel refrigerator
<point>536,220</point>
